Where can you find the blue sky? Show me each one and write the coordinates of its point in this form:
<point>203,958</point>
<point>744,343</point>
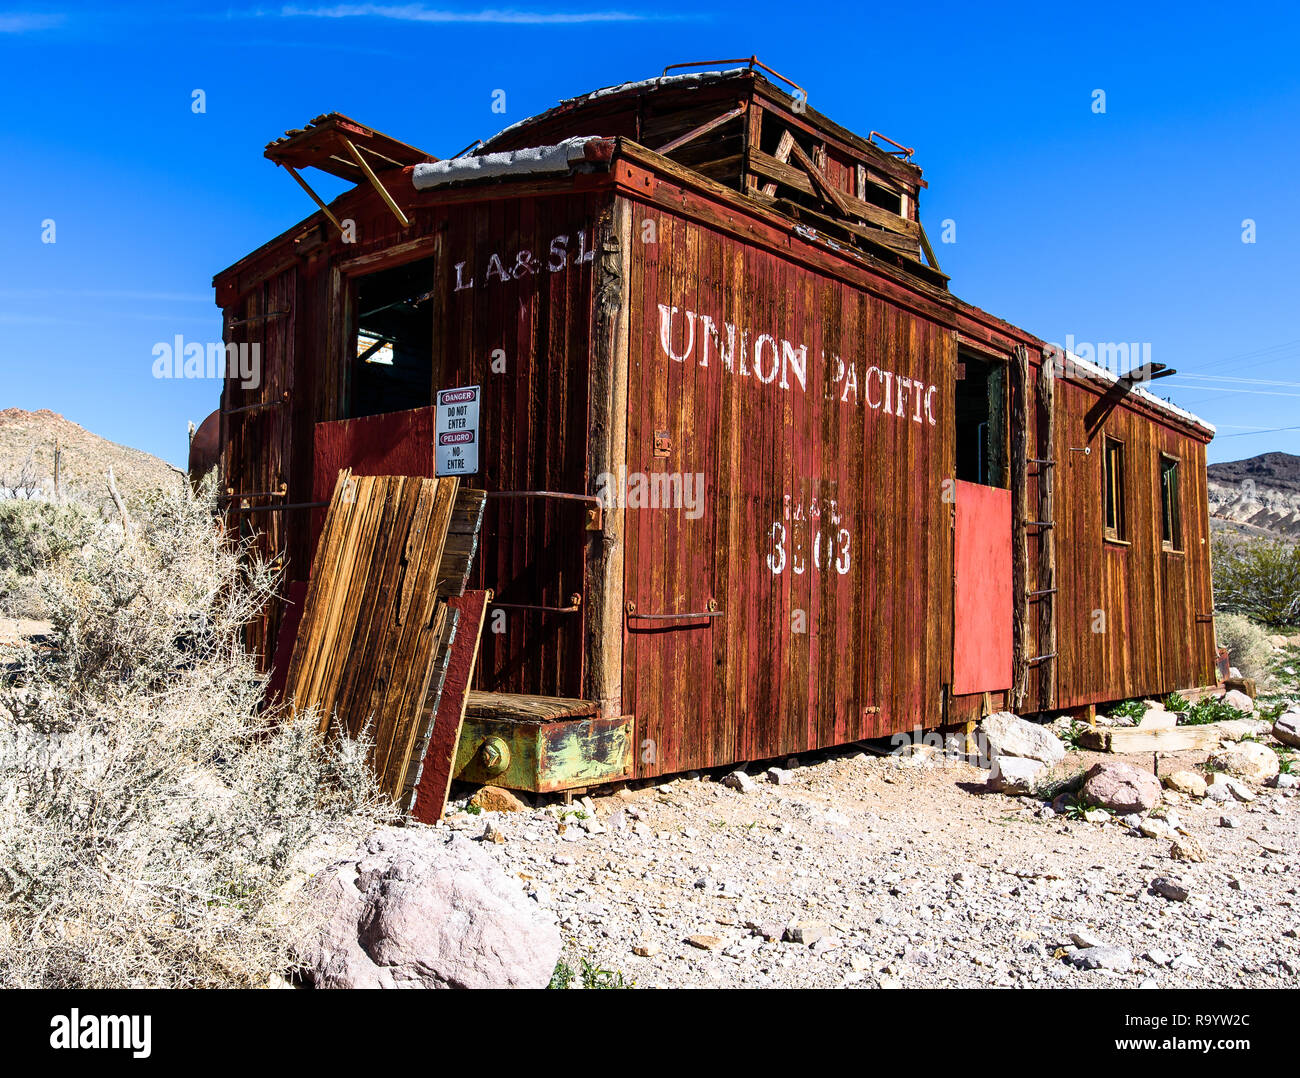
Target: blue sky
<point>1117,226</point>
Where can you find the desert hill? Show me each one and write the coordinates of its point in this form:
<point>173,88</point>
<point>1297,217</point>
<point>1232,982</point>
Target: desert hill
<point>27,442</point>
<point>1259,495</point>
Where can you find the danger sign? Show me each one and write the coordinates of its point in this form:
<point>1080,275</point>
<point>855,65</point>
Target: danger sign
<point>456,431</point>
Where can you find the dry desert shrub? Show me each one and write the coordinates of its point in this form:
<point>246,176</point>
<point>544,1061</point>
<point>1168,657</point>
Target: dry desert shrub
<point>151,815</point>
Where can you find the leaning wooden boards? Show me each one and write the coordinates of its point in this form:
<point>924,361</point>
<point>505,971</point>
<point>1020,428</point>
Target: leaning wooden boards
<point>372,622</point>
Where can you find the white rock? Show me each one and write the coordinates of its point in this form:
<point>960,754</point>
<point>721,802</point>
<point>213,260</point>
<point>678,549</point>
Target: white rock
<point>1248,760</point>
<point>1235,698</point>
<point>1287,728</point>
<point>739,780</point>
<point>1014,774</point>
<point>1010,735</point>
<point>415,908</point>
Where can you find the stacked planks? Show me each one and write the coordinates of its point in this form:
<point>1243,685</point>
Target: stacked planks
<point>374,622</point>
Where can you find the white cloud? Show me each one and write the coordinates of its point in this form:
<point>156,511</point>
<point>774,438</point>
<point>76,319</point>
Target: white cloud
<point>28,22</point>
<point>499,16</point>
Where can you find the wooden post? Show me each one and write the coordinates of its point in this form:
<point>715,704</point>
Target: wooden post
<point>603,575</point>
<point>1020,525</point>
<point>1047,536</point>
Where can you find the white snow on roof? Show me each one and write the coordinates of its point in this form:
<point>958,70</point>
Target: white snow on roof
<point>532,160</point>
<point>622,87</point>
<point>1092,370</point>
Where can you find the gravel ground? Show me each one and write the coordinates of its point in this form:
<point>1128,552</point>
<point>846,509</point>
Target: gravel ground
<point>897,872</point>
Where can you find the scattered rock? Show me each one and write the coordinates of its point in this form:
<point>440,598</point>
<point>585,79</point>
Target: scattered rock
<point>1235,698</point>
<point>1010,735</point>
<point>1186,848</point>
<point>805,932</point>
<point>1172,889</point>
<point>706,942</point>
<point>645,949</point>
<point>1120,787</point>
<point>1186,782</point>
<point>739,780</point>
<point>413,908</point>
<point>1229,821</point>
<point>1248,760</point>
<point>492,833</point>
<point>779,776</point>
<point>1153,828</point>
<point>1015,774</point>
<point>497,799</point>
<point>1287,728</point>
<point>1104,956</point>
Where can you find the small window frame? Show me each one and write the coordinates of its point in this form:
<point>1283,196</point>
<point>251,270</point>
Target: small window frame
<point>1171,502</point>
<point>1114,491</point>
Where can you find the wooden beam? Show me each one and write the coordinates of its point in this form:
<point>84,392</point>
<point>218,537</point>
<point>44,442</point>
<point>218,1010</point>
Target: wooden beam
<point>819,178</point>
<point>782,155</point>
<point>1019,525</point>
<point>1047,670</point>
<point>925,246</point>
<point>374,182</point>
<point>608,394</point>
<point>790,176</point>
<point>703,129</point>
<point>314,196</point>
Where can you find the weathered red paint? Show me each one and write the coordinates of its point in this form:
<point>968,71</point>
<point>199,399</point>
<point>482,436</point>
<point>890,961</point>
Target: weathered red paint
<point>982,607</point>
<point>774,649</point>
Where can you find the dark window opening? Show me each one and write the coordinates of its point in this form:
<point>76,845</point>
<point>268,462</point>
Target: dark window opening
<point>1116,511</point>
<point>393,348</point>
<point>981,411</point>
<point>1171,523</point>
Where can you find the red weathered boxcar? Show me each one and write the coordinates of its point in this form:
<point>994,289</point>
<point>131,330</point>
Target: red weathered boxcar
<point>758,482</point>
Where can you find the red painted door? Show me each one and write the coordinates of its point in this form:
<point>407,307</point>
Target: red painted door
<point>983,603</point>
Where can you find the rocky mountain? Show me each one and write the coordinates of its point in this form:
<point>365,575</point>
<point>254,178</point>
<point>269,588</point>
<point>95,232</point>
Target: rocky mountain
<point>1259,495</point>
<point>27,441</point>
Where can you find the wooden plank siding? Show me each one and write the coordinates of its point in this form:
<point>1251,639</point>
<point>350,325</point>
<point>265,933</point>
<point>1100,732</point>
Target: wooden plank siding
<point>734,680</point>
<point>824,538</point>
<point>1144,601</point>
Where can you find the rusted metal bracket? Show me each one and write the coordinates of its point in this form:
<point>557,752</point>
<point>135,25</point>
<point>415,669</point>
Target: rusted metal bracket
<point>712,611</point>
<point>273,508</point>
<point>905,151</point>
<point>595,507</point>
<point>281,400</point>
<point>234,495</point>
<point>575,605</point>
<point>257,318</point>
<point>750,61</point>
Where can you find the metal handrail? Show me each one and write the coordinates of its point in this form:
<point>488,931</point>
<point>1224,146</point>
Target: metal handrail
<point>751,61</point>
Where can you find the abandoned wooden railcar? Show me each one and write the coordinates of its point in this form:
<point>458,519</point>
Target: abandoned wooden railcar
<point>757,481</point>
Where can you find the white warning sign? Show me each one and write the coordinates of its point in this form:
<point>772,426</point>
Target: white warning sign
<point>455,438</point>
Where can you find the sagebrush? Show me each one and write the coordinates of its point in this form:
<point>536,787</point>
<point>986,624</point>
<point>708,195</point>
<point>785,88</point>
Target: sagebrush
<point>1260,580</point>
<point>150,813</point>
<point>1248,646</point>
